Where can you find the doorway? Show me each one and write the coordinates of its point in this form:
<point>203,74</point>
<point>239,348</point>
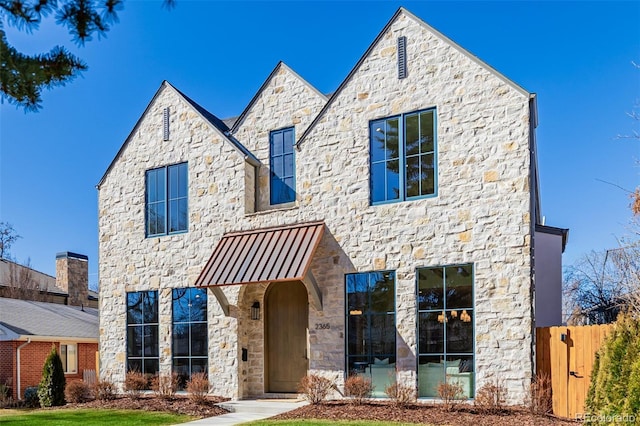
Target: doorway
<point>287,315</point>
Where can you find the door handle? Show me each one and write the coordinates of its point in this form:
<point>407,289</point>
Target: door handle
<point>574,374</point>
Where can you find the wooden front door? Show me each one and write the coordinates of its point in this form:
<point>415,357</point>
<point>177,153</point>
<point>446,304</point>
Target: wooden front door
<point>287,322</point>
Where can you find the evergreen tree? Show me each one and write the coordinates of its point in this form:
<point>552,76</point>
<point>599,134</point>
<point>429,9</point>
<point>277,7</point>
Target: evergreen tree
<point>23,77</point>
<point>615,378</point>
<point>52,384</point>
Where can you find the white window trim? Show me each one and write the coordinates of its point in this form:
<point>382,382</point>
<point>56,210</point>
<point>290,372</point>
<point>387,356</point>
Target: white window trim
<point>76,356</point>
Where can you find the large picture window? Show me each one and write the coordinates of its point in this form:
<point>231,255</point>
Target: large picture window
<point>445,329</point>
<point>282,166</point>
<point>190,337</point>
<point>142,332</point>
<point>403,157</point>
<point>371,327</point>
<point>166,200</point>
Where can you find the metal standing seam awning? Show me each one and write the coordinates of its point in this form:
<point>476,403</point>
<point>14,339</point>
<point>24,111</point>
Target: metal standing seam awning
<point>264,256</point>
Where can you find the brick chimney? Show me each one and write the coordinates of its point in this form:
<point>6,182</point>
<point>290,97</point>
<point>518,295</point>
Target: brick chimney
<point>72,276</point>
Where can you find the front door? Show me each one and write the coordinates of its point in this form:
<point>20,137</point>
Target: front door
<point>287,321</point>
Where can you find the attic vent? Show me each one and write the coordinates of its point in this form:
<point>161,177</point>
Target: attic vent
<point>402,57</point>
<point>165,124</point>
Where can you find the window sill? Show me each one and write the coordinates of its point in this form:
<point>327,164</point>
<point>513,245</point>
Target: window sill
<point>166,235</point>
<point>281,208</point>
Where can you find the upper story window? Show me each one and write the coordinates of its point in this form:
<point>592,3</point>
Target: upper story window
<point>282,166</point>
<point>166,200</point>
<point>403,157</point>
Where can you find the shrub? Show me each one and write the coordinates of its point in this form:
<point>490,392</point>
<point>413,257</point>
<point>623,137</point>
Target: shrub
<point>315,389</point>
<point>51,388</point>
<point>358,388</point>
<point>165,386</point>
<point>104,390</point>
<point>615,379</point>
<point>77,391</point>
<point>539,399</point>
<point>134,383</point>
<point>198,387</point>
<point>450,394</point>
<point>401,395</point>
<point>5,395</point>
<point>31,399</point>
<point>490,398</point>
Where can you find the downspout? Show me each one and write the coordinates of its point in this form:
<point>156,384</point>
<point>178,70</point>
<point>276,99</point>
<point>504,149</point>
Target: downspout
<point>18,365</point>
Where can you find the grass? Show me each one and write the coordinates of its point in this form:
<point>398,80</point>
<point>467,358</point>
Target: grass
<point>89,417</point>
<point>315,422</point>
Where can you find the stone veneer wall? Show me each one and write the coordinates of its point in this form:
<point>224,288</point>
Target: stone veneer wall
<point>481,214</point>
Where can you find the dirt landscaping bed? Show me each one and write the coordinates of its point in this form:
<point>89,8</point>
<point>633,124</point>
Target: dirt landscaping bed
<point>178,404</point>
<point>463,415</point>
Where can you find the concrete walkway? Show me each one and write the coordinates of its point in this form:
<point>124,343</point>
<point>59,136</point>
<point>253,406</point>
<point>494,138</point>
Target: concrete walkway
<point>249,410</point>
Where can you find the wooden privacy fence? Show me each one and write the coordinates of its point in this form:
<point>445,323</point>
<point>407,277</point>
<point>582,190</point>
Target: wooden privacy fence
<point>566,355</point>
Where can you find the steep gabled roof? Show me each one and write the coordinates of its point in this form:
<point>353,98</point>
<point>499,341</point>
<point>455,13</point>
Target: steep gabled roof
<point>208,117</point>
<point>429,28</point>
<point>240,119</point>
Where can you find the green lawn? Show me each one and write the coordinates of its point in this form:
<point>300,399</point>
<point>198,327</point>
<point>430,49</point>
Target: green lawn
<point>314,422</point>
<point>89,417</point>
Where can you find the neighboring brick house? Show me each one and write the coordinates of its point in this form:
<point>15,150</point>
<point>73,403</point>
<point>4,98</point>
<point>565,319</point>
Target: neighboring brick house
<point>387,230</point>
<point>38,311</point>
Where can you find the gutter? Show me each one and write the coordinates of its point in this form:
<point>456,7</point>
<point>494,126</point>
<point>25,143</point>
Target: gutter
<point>18,367</point>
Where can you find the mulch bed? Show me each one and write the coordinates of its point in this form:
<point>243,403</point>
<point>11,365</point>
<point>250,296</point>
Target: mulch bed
<point>436,414</point>
<point>178,404</point>
<point>462,415</point>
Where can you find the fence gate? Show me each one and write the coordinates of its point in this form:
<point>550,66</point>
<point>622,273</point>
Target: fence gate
<point>566,355</point>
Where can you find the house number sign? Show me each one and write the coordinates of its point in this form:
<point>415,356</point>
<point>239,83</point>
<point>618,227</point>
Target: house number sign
<point>323,326</point>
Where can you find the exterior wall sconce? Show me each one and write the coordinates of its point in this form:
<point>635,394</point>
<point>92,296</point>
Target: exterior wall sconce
<point>255,311</point>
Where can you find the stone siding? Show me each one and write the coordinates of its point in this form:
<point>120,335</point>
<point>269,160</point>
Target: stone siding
<point>481,213</point>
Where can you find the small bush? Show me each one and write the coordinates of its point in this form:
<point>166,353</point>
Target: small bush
<point>315,389</point>
<point>198,387</point>
<point>450,394</point>
<point>104,390</point>
<point>358,388</point>
<point>615,378</point>
<point>134,383</point>
<point>165,386</point>
<point>51,387</point>
<point>77,391</point>
<point>401,395</point>
<point>5,395</point>
<point>31,399</point>
<point>539,399</point>
<point>491,397</point>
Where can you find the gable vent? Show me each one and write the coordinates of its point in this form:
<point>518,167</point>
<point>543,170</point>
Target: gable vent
<point>402,57</point>
<point>165,124</point>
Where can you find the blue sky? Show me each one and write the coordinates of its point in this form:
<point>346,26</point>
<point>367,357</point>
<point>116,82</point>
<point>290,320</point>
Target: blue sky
<point>577,56</point>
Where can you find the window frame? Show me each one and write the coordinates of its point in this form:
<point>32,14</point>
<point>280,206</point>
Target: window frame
<point>167,200</point>
<point>444,354</point>
<point>368,314</point>
<point>190,357</point>
<point>65,362</point>
<point>142,357</point>
<point>272,178</point>
<point>402,159</point>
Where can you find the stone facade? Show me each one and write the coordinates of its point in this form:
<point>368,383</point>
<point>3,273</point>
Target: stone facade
<point>482,213</point>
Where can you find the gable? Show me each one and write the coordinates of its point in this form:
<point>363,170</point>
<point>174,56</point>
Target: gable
<point>418,48</point>
<point>167,96</point>
<point>284,100</point>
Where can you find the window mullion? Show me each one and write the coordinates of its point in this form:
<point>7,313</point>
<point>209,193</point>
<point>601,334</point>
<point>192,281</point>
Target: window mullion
<point>402,158</point>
